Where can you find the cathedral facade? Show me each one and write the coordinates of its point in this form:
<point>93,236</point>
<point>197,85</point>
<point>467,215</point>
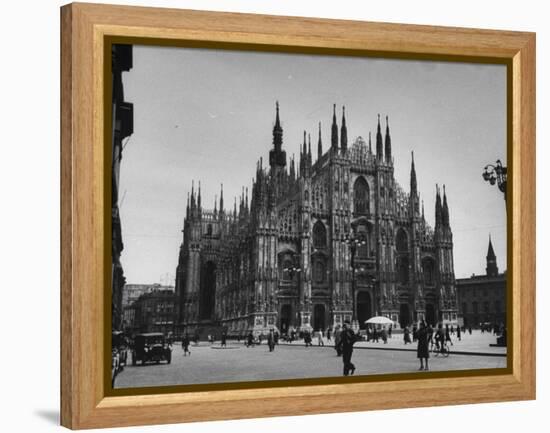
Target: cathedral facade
<point>331,239</point>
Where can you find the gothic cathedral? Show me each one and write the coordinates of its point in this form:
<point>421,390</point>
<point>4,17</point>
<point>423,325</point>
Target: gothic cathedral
<point>328,241</point>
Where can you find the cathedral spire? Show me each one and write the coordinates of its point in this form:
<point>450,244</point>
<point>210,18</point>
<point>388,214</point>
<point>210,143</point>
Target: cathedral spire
<point>387,149</point>
<point>492,268</point>
<point>199,196</point>
<point>445,209</point>
<point>277,130</point>
<point>215,205</point>
<point>379,154</point>
<point>319,144</point>
<point>438,210</point>
<point>334,138</point>
<point>187,207</point>
<point>277,156</point>
<point>413,176</point>
<point>344,132</point>
<point>221,199</point>
<point>309,160</point>
<point>192,194</point>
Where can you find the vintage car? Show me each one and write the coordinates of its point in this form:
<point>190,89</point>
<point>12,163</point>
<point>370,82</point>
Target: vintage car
<point>151,347</point>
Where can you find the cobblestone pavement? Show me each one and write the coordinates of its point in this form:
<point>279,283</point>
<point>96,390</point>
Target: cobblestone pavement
<point>212,364</point>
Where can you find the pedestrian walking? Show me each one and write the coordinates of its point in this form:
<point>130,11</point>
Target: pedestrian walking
<point>470,330</point>
<point>430,332</point>
<point>414,331</point>
<point>224,339</point>
<point>448,334</point>
<point>407,335</point>
<point>390,331</point>
<point>185,345</point>
<point>384,335</point>
<point>307,338</point>
<point>422,350</point>
<point>250,339</point>
<point>337,338</point>
<point>271,341</point>
<point>347,340</point>
<point>329,334</point>
<point>458,333</point>
<point>320,338</point>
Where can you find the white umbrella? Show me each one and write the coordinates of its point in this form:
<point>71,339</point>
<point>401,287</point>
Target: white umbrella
<point>380,320</point>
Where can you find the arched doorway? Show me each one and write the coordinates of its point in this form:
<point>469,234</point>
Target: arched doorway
<point>285,318</point>
<point>404,315</point>
<point>364,308</point>
<point>430,314</point>
<point>208,292</point>
<point>319,317</point>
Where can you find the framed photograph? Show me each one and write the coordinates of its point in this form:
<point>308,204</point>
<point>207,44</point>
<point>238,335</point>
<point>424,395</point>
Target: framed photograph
<point>266,216</point>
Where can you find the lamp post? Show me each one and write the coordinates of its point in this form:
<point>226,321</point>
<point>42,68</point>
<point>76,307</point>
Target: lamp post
<point>292,271</point>
<point>496,174</point>
<point>354,241</point>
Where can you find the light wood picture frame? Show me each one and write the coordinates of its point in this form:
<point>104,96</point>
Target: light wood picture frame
<point>87,30</point>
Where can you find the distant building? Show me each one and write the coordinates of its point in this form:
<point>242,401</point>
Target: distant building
<point>132,292</point>
<point>123,126</point>
<point>154,311</point>
<point>482,298</point>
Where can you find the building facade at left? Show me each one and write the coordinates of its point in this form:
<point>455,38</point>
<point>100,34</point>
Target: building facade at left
<point>123,127</point>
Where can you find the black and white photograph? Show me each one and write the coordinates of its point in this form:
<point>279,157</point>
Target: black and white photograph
<point>282,216</point>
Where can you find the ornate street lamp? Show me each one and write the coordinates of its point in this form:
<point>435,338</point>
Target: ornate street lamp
<point>354,241</point>
<point>496,174</point>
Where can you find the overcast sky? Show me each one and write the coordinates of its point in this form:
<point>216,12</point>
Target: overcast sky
<point>208,115</point>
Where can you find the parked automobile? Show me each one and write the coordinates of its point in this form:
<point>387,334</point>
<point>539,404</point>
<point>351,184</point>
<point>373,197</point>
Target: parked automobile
<point>151,347</point>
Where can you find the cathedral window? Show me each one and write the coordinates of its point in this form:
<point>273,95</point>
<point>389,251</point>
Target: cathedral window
<point>319,271</point>
<point>319,235</point>
<point>428,271</point>
<point>361,203</point>
<point>401,241</point>
<point>403,269</point>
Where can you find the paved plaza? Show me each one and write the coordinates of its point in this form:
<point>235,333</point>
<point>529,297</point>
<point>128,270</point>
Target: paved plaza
<point>236,363</point>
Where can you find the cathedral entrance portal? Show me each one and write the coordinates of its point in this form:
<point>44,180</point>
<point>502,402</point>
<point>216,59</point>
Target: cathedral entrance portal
<point>208,292</point>
<point>286,315</point>
<point>319,317</point>
<point>364,308</point>
<point>404,315</point>
<point>430,314</point>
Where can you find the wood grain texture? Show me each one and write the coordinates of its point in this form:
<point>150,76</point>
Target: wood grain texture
<point>84,26</point>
